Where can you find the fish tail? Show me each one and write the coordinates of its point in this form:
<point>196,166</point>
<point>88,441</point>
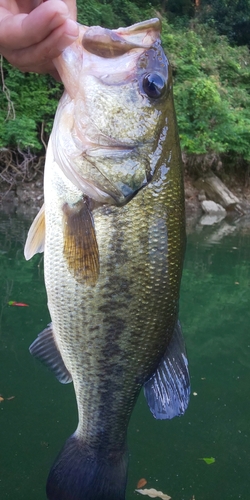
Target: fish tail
<point>81,473</point>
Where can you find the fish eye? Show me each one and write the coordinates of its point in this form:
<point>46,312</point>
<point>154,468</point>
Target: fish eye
<point>154,85</point>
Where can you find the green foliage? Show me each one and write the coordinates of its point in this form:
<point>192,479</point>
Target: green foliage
<point>34,99</point>
<point>229,17</point>
<point>180,8</point>
<point>112,13</point>
<point>212,91</point>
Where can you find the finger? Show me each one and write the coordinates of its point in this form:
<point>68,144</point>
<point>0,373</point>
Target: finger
<point>23,6</point>
<point>38,58</point>
<point>71,4</point>
<point>25,30</point>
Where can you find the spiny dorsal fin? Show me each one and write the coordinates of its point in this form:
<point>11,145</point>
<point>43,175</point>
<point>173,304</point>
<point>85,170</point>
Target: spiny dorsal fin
<point>45,349</point>
<point>168,390</point>
<point>36,236</point>
<point>80,244</point>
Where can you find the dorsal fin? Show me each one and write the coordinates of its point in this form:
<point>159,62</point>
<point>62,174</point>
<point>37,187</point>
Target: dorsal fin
<point>80,244</point>
<point>36,236</point>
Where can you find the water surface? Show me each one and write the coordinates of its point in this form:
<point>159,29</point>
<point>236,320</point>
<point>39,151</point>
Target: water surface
<point>215,316</point>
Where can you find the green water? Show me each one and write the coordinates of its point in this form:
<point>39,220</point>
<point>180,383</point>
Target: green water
<point>215,315</point>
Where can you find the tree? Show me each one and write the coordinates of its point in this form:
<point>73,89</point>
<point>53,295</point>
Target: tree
<point>229,17</point>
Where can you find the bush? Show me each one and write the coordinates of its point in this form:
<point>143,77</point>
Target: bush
<point>28,105</point>
<point>211,88</point>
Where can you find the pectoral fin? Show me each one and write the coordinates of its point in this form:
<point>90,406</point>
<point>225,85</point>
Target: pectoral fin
<point>80,244</point>
<point>36,236</point>
<point>168,390</point>
<point>45,349</point>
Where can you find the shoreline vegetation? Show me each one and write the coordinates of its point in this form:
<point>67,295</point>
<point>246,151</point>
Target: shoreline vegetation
<point>207,43</point>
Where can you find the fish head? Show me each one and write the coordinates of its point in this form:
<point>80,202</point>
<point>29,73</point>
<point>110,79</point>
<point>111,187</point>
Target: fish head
<point>113,115</point>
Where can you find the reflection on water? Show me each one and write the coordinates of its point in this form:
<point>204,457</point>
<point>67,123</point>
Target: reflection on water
<point>215,316</point>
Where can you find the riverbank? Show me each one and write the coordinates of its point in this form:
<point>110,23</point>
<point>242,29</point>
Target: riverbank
<point>28,196</point>
<point>25,200</point>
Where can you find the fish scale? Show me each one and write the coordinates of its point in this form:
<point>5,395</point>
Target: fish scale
<point>113,252</point>
<point>122,323</point>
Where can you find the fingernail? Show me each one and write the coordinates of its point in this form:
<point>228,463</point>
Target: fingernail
<point>71,28</point>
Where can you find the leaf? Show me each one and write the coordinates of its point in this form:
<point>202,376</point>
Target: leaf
<point>152,493</point>
<point>208,461</point>
<point>19,304</point>
<point>6,399</point>
<point>141,482</point>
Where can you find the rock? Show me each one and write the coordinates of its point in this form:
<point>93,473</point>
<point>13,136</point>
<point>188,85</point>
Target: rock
<point>210,220</point>
<point>214,213</point>
<point>212,208</point>
<point>216,190</point>
<point>189,192</point>
<point>202,196</point>
<point>29,193</point>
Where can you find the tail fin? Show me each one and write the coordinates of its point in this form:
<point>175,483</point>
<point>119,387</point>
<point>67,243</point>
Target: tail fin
<point>79,473</point>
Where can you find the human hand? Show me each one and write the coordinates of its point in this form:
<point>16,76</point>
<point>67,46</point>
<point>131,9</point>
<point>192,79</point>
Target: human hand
<point>34,32</point>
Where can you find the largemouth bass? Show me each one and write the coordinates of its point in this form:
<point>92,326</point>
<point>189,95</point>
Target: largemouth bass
<point>113,234</point>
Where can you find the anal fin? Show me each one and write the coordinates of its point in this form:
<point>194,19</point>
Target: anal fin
<point>45,349</point>
<point>168,390</point>
<point>36,236</point>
